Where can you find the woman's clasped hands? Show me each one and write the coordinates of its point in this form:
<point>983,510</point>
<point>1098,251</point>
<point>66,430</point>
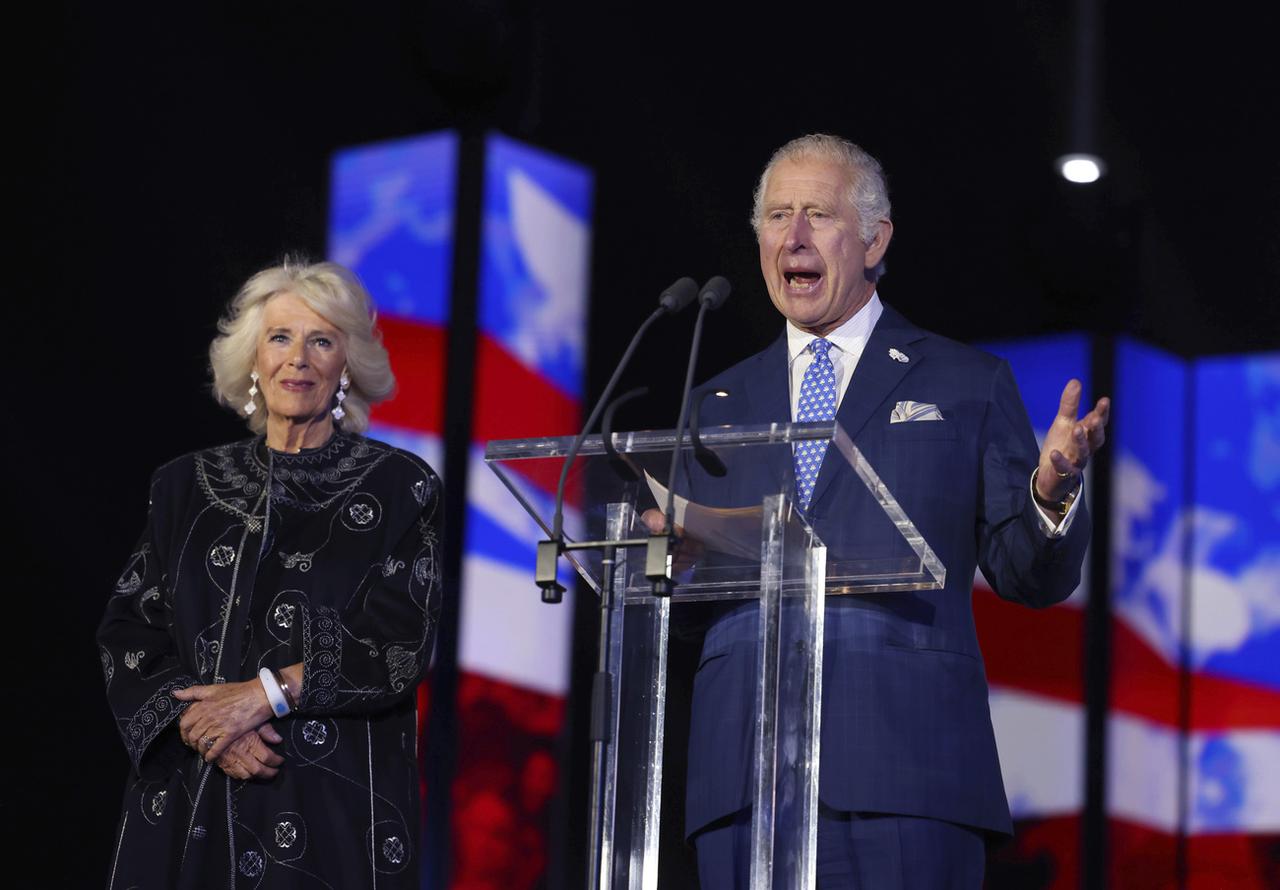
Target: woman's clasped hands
<point>228,724</point>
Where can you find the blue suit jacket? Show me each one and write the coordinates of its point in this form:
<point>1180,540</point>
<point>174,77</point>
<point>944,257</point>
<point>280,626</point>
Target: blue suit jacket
<point>905,725</point>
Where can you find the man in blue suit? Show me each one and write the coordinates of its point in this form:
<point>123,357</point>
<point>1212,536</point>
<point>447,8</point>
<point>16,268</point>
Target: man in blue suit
<point>910,782</point>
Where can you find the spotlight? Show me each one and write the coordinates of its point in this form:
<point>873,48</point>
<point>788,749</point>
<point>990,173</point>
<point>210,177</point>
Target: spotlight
<point>1081,168</point>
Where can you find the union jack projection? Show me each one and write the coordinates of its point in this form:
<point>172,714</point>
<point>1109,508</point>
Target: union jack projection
<point>392,221</point>
<point>1035,669</point>
<point>1193,785</point>
<point>1192,756</point>
<point>514,650</point>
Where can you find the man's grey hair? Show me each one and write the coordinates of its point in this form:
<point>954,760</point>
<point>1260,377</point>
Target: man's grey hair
<point>868,191</point>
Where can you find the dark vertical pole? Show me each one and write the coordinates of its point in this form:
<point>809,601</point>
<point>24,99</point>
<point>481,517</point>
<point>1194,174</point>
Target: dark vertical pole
<point>1084,109</point>
<point>1097,641</point>
<point>1181,864</point>
<point>440,752</point>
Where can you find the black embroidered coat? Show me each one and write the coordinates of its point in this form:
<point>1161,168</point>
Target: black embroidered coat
<point>335,563</point>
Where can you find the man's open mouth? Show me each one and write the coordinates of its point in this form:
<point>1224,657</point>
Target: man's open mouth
<point>802,281</point>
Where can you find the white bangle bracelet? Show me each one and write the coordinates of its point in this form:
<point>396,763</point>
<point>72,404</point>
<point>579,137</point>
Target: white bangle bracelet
<point>274,694</point>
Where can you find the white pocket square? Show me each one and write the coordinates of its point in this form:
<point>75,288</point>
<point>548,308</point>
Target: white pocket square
<point>911,411</point>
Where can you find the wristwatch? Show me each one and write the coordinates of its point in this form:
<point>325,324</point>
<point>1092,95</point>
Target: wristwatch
<point>1062,507</point>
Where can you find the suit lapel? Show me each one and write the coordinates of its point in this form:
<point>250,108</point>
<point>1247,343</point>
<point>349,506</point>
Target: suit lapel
<point>878,374</point>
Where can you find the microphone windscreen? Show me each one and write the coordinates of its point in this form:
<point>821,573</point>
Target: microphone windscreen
<point>715,292</point>
<point>679,295</point>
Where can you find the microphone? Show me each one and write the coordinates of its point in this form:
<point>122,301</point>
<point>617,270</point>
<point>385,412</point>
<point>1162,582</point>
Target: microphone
<point>712,296</point>
<point>715,292</point>
<point>679,295</point>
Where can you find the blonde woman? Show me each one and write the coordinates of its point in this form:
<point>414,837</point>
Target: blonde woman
<point>263,644</point>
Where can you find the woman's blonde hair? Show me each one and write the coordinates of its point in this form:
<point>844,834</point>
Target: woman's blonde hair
<point>329,290</point>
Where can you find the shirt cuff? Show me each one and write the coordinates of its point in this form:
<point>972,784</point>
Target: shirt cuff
<point>1046,520</point>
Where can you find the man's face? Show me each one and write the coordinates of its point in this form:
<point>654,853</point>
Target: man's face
<point>811,253</point>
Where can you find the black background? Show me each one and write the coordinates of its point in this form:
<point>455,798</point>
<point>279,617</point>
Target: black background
<point>168,154</point>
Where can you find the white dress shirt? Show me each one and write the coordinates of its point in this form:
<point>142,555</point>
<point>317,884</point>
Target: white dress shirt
<point>847,343</point>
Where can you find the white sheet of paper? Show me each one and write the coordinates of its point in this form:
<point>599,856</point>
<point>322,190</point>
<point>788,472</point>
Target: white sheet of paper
<point>732,530</point>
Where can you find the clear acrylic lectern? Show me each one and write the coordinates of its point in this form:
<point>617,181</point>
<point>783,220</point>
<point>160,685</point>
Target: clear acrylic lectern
<point>745,555</point>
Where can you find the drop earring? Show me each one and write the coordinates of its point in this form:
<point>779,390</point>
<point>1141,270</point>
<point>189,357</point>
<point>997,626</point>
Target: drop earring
<point>343,383</point>
<point>251,405</point>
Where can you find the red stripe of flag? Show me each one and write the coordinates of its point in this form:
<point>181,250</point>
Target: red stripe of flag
<point>1144,858</point>
<point>418,359</point>
<point>516,402</point>
<point>1145,684</point>
<point>1035,650</point>
<point>1040,652</point>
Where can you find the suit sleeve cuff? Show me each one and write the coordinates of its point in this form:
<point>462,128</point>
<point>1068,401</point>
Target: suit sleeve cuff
<point>1049,524</point>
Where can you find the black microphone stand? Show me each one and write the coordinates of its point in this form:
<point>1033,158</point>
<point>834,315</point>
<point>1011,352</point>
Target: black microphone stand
<point>660,547</point>
<point>672,300</point>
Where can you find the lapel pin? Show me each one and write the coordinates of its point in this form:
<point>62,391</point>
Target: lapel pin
<point>898,356</point>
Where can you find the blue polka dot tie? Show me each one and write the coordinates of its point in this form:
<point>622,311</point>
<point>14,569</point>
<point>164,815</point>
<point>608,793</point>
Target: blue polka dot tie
<point>817,403</point>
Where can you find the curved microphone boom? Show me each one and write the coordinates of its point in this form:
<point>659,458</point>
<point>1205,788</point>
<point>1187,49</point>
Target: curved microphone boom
<point>712,296</point>
<point>672,300</point>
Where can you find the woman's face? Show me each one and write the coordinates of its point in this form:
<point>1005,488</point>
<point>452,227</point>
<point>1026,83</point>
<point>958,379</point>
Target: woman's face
<point>301,355</point>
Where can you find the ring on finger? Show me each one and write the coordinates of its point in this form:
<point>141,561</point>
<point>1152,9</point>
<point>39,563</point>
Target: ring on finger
<point>208,742</point>
<point>1062,475</point>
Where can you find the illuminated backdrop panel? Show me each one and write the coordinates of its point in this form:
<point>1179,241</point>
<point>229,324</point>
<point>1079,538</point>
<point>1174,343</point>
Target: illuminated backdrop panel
<point>391,221</point>
<point>513,650</point>
<point>1194,729</point>
<point>1034,664</point>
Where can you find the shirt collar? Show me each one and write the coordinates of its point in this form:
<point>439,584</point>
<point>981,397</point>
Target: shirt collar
<point>850,337</point>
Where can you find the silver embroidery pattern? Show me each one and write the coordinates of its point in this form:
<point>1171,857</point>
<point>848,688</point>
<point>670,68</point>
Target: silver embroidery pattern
<point>199,832</point>
<point>393,849</point>
<point>290,831</point>
<point>222,556</point>
<point>427,533</point>
<point>391,565</point>
<point>284,615</point>
<point>402,666</point>
<point>206,655</point>
<point>362,512</point>
<point>154,715</point>
<point>251,863</point>
<point>133,659</point>
<point>108,664</point>
<point>157,803</point>
<point>426,568</point>
<point>128,584</point>
<point>315,732</point>
<point>321,657</point>
<point>300,561</point>
<point>286,834</point>
<point>312,481</point>
<point>227,487</point>
<point>309,482</point>
<point>130,579</point>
